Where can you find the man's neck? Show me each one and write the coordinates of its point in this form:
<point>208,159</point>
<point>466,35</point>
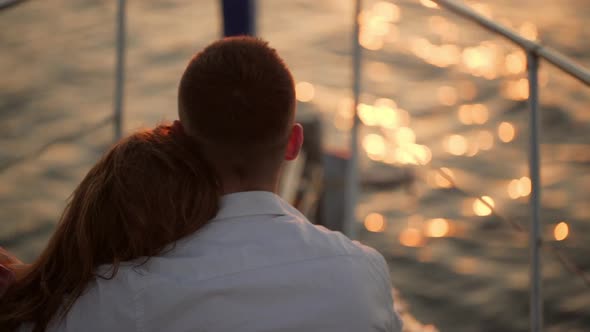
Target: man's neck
<point>230,187</point>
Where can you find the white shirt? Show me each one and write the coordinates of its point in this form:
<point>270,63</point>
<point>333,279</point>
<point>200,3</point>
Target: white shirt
<point>258,266</point>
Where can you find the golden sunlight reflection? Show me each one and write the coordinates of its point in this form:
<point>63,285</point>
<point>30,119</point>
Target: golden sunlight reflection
<point>506,132</point>
<point>447,95</point>
<point>367,114</point>
<point>524,186</point>
<point>456,145</point>
<point>513,189</point>
<point>481,60</point>
<point>483,9</point>
<point>428,3</point>
<point>519,187</point>
<point>472,149</point>
<point>444,28</point>
<point>485,139</point>
<point>370,41</point>
<point>375,147</point>
<point>516,90</point>
<point>423,154</point>
<point>480,208</point>
<point>304,91</point>
<point>414,154</point>
<point>528,30</point>
<point>405,135</point>
<point>385,102</point>
<point>479,113</point>
<point>473,58</point>
<point>411,237</point>
<point>387,117</point>
<point>376,25</point>
<point>385,113</point>
<point>439,55</point>
<point>447,54</point>
<point>515,62</point>
<point>421,47</point>
<point>375,222</point>
<point>438,227</point>
<point>561,231</point>
<point>388,10</point>
<point>473,114</point>
<point>441,178</point>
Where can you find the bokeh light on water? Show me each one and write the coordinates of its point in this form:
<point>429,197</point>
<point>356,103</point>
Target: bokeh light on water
<point>561,231</point>
<point>465,91</point>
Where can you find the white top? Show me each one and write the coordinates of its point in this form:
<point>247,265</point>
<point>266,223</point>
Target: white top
<point>258,266</point>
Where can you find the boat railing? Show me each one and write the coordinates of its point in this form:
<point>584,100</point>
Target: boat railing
<point>9,3</point>
<point>535,51</point>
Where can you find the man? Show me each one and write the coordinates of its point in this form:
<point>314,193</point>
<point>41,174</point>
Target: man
<point>237,100</point>
<point>259,265</point>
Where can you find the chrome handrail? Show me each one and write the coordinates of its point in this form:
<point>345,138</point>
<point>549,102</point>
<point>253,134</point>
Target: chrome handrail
<point>531,47</point>
<point>351,183</point>
<point>4,4</point>
<point>120,69</point>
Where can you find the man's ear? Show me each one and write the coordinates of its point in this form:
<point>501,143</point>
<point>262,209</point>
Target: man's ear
<point>295,142</point>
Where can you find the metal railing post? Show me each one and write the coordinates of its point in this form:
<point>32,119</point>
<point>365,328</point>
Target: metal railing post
<point>351,192</point>
<point>120,69</point>
<point>536,305</point>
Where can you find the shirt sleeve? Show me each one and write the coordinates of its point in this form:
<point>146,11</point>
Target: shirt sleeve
<point>106,305</point>
<point>396,322</point>
<point>380,270</point>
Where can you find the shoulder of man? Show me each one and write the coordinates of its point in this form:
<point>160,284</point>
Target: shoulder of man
<point>378,276</point>
<point>107,304</point>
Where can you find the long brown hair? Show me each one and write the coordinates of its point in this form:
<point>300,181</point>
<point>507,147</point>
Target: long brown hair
<point>148,191</point>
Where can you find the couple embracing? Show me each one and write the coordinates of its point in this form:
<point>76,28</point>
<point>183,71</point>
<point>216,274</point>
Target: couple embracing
<point>178,228</point>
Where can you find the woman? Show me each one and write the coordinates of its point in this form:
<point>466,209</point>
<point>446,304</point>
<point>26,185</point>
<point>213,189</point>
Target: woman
<point>150,190</point>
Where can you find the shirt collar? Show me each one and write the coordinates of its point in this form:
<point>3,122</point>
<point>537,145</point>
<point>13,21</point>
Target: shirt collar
<point>251,203</point>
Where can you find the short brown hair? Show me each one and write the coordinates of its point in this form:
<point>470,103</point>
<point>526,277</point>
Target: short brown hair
<point>237,98</point>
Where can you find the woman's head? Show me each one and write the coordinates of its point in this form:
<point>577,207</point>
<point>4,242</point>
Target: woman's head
<point>148,191</point>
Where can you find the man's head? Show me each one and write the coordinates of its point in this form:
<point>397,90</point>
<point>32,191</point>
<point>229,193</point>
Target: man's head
<point>237,99</point>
